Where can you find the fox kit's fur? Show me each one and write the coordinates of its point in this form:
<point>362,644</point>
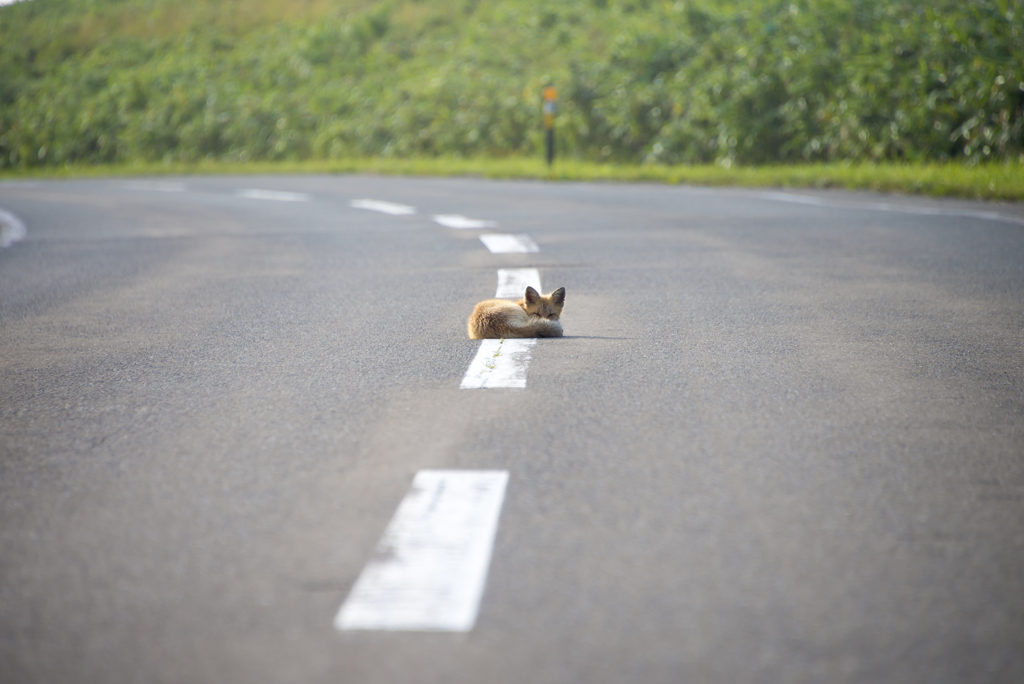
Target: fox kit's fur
<point>535,315</point>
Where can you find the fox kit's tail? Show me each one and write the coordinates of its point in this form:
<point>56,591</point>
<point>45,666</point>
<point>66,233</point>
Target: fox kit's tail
<point>539,328</point>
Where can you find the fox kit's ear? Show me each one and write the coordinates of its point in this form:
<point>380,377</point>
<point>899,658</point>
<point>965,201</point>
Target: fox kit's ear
<point>531,295</point>
<point>558,296</point>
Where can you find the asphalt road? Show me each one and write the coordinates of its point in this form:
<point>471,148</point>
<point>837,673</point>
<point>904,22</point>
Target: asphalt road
<point>782,440</point>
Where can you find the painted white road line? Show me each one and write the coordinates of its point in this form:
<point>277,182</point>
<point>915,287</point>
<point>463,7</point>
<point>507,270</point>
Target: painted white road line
<point>460,222</point>
<point>430,567</point>
<point>892,208</point>
<point>792,199</point>
<point>274,195</point>
<point>11,229</point>
<point>505,243</point>
<point>512,282</point>
<point>499,364</point>
<point>383,207</point>
<point>155,186</point>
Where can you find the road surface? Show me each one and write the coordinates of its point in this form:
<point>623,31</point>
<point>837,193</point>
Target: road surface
<point>782,439</point>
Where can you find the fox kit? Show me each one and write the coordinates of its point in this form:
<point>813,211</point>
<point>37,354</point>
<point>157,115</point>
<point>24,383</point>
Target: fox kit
<point>535,315</point>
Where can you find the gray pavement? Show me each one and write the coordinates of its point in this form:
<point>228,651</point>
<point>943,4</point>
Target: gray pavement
<point>782,440</point>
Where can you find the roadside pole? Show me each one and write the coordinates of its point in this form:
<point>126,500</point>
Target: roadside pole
<point>550,95</point>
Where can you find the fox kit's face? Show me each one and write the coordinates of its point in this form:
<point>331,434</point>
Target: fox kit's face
<point>547,306</point>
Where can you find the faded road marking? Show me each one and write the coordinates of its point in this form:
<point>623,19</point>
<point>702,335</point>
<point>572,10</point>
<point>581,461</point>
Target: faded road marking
<point>274,195</point>
<point>383,207</point>
<point>892,208</point>
<point>155,186</point>
<point>11,229</point>
<point>461,222</point>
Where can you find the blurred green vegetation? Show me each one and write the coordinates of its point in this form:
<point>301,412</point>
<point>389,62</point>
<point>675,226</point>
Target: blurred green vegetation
<point>641,81</point>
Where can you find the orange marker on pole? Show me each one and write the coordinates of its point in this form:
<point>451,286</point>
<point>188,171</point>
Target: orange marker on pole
<point>550,95</point>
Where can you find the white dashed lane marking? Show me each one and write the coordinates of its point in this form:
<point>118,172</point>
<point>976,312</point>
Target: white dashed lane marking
<point>461,222</point>
<point>430,567</point>
<point>512,282</point>
<point>504,243</point>
<point>274,195</point>
<point>383,207</point>
<point>499,364</point>
<point>155,186</point>
<point>792,199</point>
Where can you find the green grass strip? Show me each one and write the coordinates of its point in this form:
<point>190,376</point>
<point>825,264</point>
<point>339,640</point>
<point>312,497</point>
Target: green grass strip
<point>996,181</point>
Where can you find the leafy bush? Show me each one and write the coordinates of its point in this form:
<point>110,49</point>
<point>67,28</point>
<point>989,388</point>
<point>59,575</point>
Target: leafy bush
<point>751,83</point>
